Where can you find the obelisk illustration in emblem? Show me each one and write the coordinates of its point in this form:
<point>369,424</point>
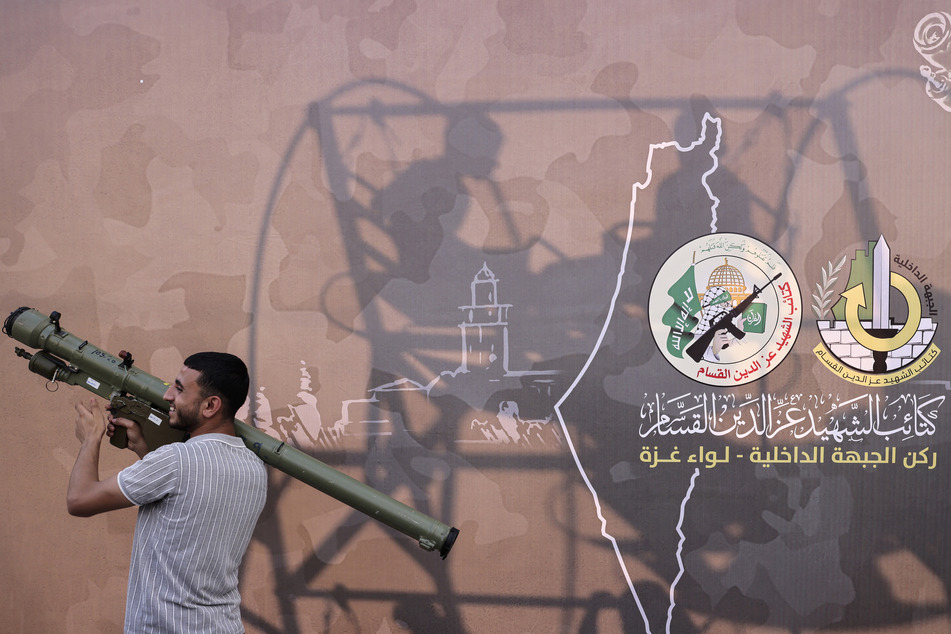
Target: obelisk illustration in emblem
<point>880,284</point>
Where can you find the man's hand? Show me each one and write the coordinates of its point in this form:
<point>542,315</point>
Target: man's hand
<point>136,440</point>
<point>90,422</point>
<point>86,495</point>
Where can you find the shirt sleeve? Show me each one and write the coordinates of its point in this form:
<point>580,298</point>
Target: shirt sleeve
<point>151,478</point>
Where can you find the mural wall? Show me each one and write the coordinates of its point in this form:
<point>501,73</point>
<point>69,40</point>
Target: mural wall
<point>647,299</point>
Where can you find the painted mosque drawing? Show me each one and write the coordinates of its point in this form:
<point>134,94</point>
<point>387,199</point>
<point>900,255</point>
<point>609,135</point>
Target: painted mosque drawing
<point>508,406</point>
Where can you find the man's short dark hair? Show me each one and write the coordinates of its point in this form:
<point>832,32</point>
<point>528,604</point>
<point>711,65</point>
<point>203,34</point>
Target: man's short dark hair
<point>223,375</point>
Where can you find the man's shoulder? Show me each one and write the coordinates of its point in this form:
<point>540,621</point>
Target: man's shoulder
<point>159,455</point>
<point>227,439</point>
<point>220,443</point>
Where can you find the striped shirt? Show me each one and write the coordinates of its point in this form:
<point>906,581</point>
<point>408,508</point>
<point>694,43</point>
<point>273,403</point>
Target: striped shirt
<point>198,504</point>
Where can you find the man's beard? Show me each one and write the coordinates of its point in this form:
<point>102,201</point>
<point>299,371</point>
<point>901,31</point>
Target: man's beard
<point>184,420</point>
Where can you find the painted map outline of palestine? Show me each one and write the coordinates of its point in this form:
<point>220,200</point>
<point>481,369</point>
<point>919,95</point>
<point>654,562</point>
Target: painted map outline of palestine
<point>711,127</point>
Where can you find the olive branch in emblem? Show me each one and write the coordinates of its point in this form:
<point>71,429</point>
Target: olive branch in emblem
<point>829,278</point>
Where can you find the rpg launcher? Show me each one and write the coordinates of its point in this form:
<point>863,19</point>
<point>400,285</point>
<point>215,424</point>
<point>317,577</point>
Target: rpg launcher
<point>137,395</point>
<point>702,342</point>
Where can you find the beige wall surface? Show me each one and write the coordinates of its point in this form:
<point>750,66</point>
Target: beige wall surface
<point>462,246</point>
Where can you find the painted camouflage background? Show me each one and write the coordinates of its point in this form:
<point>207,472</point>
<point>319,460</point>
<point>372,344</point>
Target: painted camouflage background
<point>324,186</point>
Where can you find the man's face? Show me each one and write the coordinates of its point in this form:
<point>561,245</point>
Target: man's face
<point>185,399</point>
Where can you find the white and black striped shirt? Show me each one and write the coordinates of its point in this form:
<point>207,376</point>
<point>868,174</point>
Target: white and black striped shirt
<point>198,504</point>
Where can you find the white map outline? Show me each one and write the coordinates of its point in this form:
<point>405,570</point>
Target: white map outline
<point>707,118</point>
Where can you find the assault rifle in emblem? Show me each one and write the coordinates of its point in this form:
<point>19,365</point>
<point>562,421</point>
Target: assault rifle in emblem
<point>725,321</point>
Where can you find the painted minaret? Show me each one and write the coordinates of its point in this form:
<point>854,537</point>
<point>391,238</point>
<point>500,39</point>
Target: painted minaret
<point>485,334</point>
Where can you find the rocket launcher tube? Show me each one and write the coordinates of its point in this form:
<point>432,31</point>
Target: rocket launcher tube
<point>66,358</point>
<point>96,370</point>
<point>430,533</point>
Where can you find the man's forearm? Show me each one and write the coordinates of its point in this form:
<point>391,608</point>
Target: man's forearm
<point>84,478</point>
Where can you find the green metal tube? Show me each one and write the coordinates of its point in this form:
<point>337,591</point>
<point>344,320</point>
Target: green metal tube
<point>107,375</point>
<point>103,372</point>
<point>430,533</point>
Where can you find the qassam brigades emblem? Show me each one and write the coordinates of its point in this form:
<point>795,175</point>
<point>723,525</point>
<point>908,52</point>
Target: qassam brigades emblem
<point>725,309</point>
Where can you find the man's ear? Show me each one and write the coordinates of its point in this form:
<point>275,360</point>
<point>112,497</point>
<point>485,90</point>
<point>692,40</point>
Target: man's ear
<point>211,406</point>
